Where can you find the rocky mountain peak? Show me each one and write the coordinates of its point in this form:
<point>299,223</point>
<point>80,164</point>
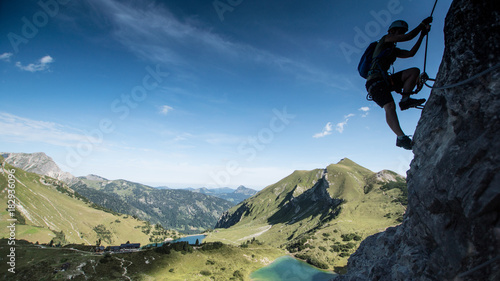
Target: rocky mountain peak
<point>38,163</point>
<point>245,190</point>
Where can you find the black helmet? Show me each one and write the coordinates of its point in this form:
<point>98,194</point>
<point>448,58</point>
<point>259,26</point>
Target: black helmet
<point>399,24</point>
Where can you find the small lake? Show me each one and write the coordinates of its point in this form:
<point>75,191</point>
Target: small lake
<point>191,239</point>
<point>287,268</point>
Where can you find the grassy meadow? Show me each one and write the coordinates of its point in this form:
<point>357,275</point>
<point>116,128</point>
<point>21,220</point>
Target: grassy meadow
<point>199,263</point>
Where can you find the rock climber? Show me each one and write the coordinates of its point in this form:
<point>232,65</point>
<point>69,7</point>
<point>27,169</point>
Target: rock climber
<point>380,84</point>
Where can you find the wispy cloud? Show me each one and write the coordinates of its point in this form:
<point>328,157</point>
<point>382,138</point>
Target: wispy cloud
<point>41,65</point>
<point>327,130</point>
<point>341,125</point>
<point>366,110</point>
<point>165,109</point>
<point>23,130</point>
<point>6,56</point>
<point>152,32</point>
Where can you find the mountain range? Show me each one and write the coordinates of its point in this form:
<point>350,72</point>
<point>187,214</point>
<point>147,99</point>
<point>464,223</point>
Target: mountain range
<point>182,210</point>
<point>320,215</point>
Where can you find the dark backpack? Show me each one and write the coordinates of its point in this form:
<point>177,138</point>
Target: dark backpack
<point>365,63</point>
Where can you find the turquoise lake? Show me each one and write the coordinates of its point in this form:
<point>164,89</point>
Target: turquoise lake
<point>287,268</point>
<point>191,239</point>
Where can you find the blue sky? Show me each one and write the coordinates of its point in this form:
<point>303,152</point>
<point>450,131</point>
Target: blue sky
<point>201,93</point>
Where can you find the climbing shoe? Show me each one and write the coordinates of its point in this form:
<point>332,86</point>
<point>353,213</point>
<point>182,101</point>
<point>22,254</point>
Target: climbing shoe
<point>404,142</point>
<point>404,104</point>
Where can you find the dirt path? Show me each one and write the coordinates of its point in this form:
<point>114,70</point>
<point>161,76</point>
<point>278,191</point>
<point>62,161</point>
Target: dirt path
<point>124,268</point>
<point>266,228</point>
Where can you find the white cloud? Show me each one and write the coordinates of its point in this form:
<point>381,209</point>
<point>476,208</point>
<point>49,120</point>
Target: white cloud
<point>6,56</point>
<point>41,65</point>
<point>165,109</point>
<point>327,130</point>
<point>340,126</point>
<point>366,110</point>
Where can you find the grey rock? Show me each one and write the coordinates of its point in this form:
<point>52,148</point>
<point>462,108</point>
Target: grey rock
<point>38,163</point>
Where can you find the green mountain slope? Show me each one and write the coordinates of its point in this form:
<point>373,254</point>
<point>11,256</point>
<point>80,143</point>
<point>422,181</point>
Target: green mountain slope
<point>47,209</point>
<point>185,211</point>
<point>320,215</point>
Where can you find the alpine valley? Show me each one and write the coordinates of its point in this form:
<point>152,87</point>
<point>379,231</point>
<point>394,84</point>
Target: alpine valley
<point>182,210</point>
<point>319,216</point>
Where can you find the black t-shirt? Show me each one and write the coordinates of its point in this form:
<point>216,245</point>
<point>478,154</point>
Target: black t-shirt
<point>382,64</point>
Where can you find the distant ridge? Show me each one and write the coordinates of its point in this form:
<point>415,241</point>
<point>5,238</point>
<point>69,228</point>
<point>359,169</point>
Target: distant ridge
<point>93,177</point>
<point>234,196</point>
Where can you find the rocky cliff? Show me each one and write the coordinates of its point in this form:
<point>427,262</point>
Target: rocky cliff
<point>451,230</point>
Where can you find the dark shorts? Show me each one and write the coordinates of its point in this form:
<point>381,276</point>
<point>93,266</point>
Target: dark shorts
<point>380,90</point>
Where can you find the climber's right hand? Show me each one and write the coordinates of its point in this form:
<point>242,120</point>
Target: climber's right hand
<point>427,21</point>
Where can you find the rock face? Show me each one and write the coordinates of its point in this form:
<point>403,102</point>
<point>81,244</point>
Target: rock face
<point>38,163</point>
<point>451,230</point>
<point>229,219</point>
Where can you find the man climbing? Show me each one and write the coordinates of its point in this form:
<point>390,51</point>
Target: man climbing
<point>380,84</point>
